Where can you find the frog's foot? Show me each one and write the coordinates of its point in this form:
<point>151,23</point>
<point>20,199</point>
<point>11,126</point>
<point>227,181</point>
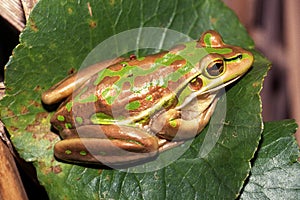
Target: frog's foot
<point>111,145</point>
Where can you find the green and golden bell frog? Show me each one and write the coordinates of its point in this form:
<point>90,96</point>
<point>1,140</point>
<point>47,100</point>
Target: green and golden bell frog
<point>124,111</point>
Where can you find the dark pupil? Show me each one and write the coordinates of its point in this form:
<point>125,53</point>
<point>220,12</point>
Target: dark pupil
<point>215,69</point>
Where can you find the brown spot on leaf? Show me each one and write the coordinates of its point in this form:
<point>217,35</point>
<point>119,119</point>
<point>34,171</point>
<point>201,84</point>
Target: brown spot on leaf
<point>41,116</point>
<point>37,88</point>
<point>71,71</point>
<point>35,103</point>
<point>33,25</point>
<point>49,137</point>
<point>107,178</point>
<point>256,84</point>
<point>92,24</point>
<point>24,110</point>
<point>13,128</point>
<point>9,113</point>
<point>31,128</point>
<point>40,126</point>
<point>213,20</point>
<point>56,169</point>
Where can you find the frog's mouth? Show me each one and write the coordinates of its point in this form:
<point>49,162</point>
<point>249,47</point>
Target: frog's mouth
<point>220,86</point>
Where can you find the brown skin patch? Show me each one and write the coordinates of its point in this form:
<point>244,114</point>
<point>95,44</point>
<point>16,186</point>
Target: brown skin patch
<point>139,81</point>
<point>178,63</point>
<point>177,48</point>
<point>116,67</point>
<point>173,85</point>
<point>126,86</point>
<point>108,81</point>
<point>147,62</point>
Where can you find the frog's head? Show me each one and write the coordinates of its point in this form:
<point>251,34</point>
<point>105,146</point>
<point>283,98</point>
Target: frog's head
<point>216,64</point>
<point>222,64</point>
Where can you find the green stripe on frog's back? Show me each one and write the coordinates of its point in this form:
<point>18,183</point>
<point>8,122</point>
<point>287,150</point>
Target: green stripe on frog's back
<point>193,53</point>
<point>128,74</point>
<point>218,50</point>
<point>133,105</point>
<point>102,118</point>
<point>90,99</point>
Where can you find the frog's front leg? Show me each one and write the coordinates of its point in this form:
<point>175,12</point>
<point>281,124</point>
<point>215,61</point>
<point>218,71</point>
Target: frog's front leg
<point>111,145</point>
<point>65,87</point>
<point>185,123</point>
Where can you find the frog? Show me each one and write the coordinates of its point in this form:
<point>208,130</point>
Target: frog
<point>126,111</point>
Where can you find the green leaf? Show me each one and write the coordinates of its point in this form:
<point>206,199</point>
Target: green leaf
<point>57,41</point>
<point>276,171</point>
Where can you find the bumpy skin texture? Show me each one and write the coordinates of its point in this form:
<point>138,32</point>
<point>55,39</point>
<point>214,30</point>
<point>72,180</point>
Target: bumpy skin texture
<point>127,110</point>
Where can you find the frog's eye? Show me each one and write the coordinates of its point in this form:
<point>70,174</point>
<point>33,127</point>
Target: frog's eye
<point>215,68</point>
<point>212,65</point>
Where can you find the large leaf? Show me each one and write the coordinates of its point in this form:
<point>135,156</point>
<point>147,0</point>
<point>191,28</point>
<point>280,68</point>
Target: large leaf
<point>276,171</point>
<point>57,39</point>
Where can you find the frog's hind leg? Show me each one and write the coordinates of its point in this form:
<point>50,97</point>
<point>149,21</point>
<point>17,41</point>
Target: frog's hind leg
<point>111,145</point>
<point>65,87</point>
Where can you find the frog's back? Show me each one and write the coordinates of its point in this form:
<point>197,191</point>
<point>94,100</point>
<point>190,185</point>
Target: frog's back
<point>123,89</point>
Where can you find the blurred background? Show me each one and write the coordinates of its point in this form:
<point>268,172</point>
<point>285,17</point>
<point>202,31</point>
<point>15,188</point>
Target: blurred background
<point>273,24</point>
